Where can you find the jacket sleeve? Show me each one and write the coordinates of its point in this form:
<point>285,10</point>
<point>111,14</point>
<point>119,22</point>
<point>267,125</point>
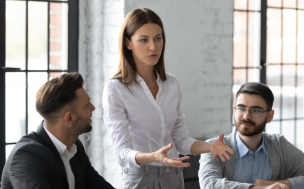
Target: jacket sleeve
<point>92,179</point>
<point>294,162</point>
<point>29,170</point>
<point>211,175</point>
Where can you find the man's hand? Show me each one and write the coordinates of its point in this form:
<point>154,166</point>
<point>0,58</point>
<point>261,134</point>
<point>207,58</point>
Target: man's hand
<point>276,185</point>
<point>220,149</point>
<point>261,182</point>
<point>161,155</point>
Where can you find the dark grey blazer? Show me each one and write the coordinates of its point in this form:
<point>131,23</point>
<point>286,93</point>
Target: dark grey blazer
<point>286,161</point>
<point>35,163</point>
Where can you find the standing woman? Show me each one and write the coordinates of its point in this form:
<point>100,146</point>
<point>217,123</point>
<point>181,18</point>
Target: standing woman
<point>142,108</point>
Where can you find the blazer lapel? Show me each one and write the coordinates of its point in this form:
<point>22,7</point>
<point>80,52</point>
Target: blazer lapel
<point>48,142</point>
<point>274,159</point>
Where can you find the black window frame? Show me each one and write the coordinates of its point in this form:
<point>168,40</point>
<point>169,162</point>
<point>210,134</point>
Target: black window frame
<point>73,36</point>
<point>263,60</point>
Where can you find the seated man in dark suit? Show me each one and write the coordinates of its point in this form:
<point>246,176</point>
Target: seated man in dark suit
<point>53,157</point>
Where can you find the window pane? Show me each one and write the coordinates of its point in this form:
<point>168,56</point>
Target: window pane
<point>254,32</point>
<point>253,75</point>
<point>273,127</point>
<point>289,36</point>
<point>300,37</point>
<point>58,36</point>
<point>255,5</point>
<point>240,39</point>
<point>37,35</point>
<point>14,106</point>
<point>8,149</point>
<point>288,92</point>
<point>289,3</point>
<point>274,3</point>
<point>35,81</point>
<point>300,92</point>
<point>301,4</point>
<point>288,130</point>
<point>240,4</point>
<point>15,34</point>
<point>273,74</point>
<point>300,131</point>
<point>239,76</point>
<point>274,36</point>
<point>55,74</point>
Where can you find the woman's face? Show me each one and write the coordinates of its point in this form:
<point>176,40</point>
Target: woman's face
<point>146,45</point>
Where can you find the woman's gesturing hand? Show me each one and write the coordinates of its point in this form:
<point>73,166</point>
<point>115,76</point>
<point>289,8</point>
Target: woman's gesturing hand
<point>161,155</point>
<point>218,148</point>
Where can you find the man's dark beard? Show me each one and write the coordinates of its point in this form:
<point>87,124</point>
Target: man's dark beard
<point>257,128</point>
<point>80,121</point>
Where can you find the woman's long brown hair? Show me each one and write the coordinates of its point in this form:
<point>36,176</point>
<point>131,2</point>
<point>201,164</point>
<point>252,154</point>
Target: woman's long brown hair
<point>127,68</point>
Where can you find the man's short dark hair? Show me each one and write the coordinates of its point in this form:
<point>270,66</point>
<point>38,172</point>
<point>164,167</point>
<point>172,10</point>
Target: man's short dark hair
<point>57,92</point>
<point>258,89</point>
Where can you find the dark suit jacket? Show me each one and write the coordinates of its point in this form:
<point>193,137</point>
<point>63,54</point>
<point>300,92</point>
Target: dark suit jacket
<point>35,163</point>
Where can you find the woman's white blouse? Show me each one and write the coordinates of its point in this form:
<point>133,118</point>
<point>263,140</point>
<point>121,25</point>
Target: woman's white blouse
<point>140,123</point>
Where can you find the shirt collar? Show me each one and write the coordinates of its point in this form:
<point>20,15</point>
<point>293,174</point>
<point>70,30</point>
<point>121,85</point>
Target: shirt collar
<point>138,78</point>
<point>242,148</point>
<point>61,148</point>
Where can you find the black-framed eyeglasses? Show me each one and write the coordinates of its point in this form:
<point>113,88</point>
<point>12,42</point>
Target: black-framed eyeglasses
<point>254,112</point>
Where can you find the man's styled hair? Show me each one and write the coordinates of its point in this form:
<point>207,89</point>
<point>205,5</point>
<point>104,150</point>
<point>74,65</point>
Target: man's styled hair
<point>258,89</point>
<point>57,93</point>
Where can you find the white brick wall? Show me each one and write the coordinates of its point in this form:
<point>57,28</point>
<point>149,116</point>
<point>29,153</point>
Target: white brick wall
<point>198,52</point>
<point>100,22</point>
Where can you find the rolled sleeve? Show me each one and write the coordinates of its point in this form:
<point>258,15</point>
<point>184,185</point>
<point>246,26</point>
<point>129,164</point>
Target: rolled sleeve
<point>131,159</point>
<point>186,146</point>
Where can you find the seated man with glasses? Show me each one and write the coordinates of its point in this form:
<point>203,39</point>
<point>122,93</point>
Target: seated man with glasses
<point>261,160</point>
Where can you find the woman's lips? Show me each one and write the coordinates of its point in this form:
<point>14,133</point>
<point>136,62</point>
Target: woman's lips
<point>153,56</point>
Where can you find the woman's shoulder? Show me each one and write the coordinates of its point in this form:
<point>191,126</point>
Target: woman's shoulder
<point>171,78</point>
<point>112,84</point>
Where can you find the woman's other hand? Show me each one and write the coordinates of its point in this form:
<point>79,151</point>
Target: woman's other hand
<point>161,155</point>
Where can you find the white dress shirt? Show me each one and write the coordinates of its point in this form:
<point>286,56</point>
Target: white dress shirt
<point>140,123</point>
<point>65,155</point>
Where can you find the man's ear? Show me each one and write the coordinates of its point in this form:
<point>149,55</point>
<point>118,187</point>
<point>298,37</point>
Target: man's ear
<point>270,116</point>
<point>69,118</point>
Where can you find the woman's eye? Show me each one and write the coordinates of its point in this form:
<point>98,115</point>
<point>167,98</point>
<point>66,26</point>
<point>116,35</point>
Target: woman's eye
<point>158,39</point>
<point>143,40</point>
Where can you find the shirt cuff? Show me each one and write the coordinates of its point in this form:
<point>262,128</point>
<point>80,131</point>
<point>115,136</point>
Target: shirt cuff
<point>290,179</point>
<point>187,146</point>
<point>131,162</point>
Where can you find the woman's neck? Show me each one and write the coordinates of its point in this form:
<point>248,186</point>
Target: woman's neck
<point>146,73</point>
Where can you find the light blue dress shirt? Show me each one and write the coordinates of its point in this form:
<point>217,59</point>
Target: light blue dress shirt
<point>251,166</point>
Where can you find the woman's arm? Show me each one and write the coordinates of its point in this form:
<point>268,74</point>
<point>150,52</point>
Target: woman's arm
<point>218,148</point>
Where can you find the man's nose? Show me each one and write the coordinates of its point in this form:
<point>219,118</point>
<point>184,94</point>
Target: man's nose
<point>247,115</point>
